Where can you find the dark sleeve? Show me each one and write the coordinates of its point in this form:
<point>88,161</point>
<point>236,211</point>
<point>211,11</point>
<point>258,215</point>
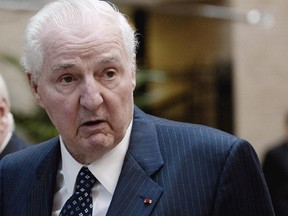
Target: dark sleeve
<point>242,189</point>
<point>275,169</point>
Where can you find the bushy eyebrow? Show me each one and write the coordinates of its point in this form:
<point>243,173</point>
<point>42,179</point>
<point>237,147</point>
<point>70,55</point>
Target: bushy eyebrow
<point>62,66</point>
<point>110,59</point>
<point>105,60</point>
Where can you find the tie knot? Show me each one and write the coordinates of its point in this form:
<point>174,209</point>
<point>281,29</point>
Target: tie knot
<point>85,180</point>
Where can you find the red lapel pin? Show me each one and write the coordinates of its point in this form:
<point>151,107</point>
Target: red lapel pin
<point>147,201</point>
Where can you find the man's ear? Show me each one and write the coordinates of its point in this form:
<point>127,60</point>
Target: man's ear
<point>134,72</point>
<point>134,79</point>
<point>34,88</point>
<point>4,109</point>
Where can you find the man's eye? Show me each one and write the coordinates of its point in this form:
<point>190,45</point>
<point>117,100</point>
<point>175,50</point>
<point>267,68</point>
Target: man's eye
<point>110,74</point>
<point>66,79</point>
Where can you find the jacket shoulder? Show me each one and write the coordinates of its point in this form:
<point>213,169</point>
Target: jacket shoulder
<point>193,132</point>
<point>29,157</point>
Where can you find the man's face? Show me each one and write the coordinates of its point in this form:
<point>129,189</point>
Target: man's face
<point>2,120</point>
<point>86,87</point>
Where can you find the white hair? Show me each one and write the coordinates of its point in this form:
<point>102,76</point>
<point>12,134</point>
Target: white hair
<point>3,90</point>
<point>74,12</point>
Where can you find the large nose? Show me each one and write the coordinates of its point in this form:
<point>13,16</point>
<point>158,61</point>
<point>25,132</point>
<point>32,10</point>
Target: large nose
<point>91,95</point>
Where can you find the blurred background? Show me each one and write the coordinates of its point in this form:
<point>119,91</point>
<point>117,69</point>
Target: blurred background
<point>221,63</point>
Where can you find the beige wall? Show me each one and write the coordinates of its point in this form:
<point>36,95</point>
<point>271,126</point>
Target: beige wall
<point>260,75</point>
<point>12,25</point>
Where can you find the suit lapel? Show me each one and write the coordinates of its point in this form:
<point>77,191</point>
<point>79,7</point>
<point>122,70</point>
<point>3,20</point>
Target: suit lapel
<point>142,160</point>
<point>41,198</point>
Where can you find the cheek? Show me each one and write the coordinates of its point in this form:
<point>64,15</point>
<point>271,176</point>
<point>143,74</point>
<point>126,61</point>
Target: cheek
<point>123,106</point>
<point>63,116</point>
<point>59,109</point>
<point>125,97</point>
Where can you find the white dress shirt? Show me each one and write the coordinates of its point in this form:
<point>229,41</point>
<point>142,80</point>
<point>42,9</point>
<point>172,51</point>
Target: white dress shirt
<point>107,171</point>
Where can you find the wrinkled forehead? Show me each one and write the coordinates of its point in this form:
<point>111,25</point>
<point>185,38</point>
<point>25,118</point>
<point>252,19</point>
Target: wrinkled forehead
<point>99,29</point>
<point>77,23</point>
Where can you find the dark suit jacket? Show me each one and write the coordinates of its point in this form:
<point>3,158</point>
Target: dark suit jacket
<point>184,169</point>
<point>14,144</point>
<point>275,168</point>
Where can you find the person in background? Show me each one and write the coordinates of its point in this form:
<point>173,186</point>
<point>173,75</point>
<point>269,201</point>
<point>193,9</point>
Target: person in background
<point>9,141</point>
<point>275,168</point>
<point>111,158</point>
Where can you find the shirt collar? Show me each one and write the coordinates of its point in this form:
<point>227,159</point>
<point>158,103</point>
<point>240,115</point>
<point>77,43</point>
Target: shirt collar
<point>106,169</point>
<point>6,141</point>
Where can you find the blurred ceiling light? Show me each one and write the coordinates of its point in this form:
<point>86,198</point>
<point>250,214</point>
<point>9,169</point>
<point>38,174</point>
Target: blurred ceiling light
<point>257,17</point>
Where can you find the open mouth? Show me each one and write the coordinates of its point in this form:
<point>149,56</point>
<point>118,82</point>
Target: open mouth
<point>92,123</point>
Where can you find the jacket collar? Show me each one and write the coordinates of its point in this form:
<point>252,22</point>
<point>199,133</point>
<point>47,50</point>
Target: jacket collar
<point>41,197</point>
<point>136,189</point>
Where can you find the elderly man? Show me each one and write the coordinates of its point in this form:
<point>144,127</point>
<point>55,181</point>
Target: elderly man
<point>110,157</point>
<point>9,141</point>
